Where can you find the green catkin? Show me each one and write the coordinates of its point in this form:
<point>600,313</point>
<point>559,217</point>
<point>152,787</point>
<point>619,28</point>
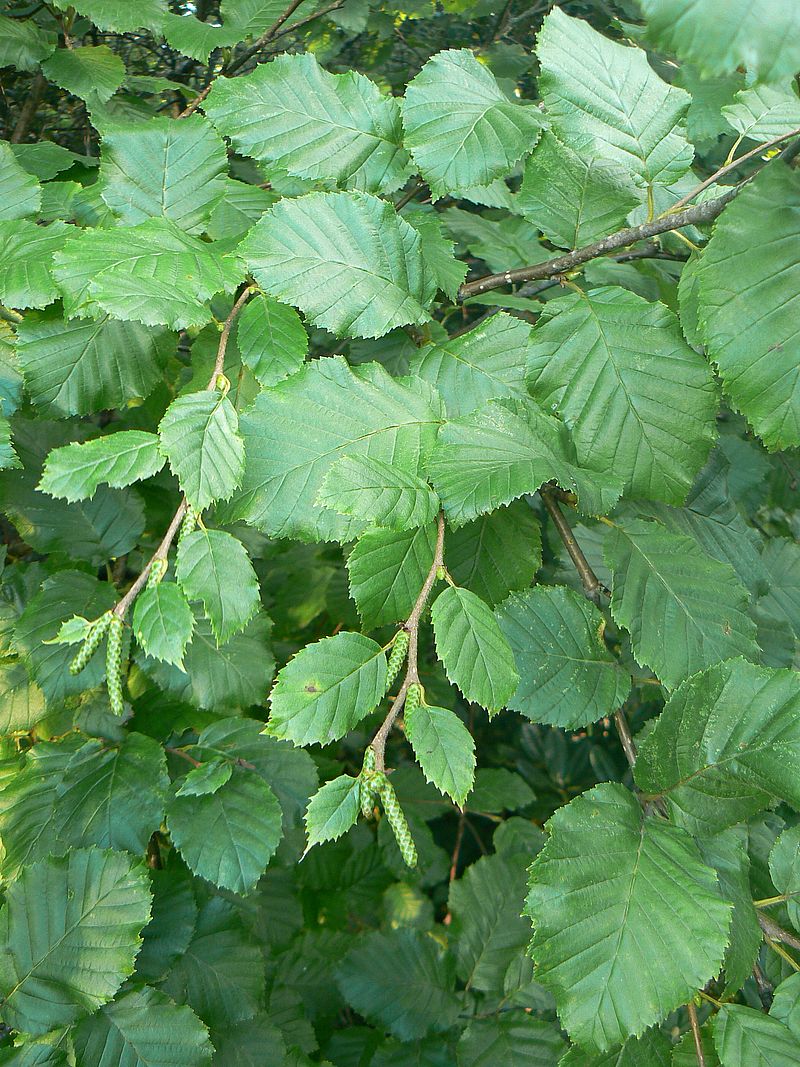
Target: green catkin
<point>188,524</point>
<point>396,656</point>
<point>114,666</point>
<point>90,643</point>
<point>158,568</point>
<point>366,789</point>
<point>397,820</point>
<point>413,697</point>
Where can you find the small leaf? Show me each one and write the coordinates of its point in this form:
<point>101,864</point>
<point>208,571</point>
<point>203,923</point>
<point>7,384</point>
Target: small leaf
<point>20,193</point>
<point>205,779</point>
<point>213,566</point>
<point>272,339</point>
<point>380,493</point>
<point>163,622</point>
<point>94,73</point>
<point>332,810</point>
<point>119,459</point>
<point>745,1037</point>
<point>26,262</point>
<point>386,571</point>
<point>200,437</point>
<point>444,749</point>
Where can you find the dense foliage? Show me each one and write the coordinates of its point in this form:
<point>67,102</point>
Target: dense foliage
<point>400,596</point>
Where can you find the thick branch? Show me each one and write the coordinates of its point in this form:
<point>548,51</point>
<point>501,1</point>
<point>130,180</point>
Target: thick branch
<point>776,932</point>
<point>411,625</point>
<point>29,108</point>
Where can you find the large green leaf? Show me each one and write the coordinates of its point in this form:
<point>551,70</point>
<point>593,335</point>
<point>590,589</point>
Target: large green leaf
<point>745,1037</point>
<point>347,260</point>
<point>70,930</point>
<point>294,432</point>
<point>639,127</point>
<point>92,72</point>
<point>628,920</point>
<point>23,44</point>
<point>444,749</point>
<point>749,282</point>
<point>20,193</point>
<point>118,16</point>
<point>727,742</point>
<point>763,112</point>
<point>143,1028</point>
<point>496,553</point>
<point>327,688</point>
<point>717,39</point>
<point>461,128</point>
<point>471,645</point>
<point>568,677</point>
<point>199,435</point>
<point>507,449</point>
<point>22,702</point>
<point>683,609</point>
<point>386,571</point>
<point>163,622</point>
<point>157,274</point>
<point>638,400</point>
<point>293,113</point>
<point>26,261</point>
<point>726,852</point>
<point>272,339</point>
<point>379,493</point>
<point>164,168</point>
<point>74,471</point>
<point>213,566</point>
<point>514,1039</point>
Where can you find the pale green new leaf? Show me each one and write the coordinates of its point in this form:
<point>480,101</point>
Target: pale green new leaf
<point>515,1039</point>
<point>20,193</point>
<point>444,749</point>
<point>460,127</point>
<point>568,678</point>
<point>507,449</point>
<point>486,362</point>
<point>471,645</point>
<point>639,402</point>
<point>683,609</point>
<point>70,932</point>
<point>227,837</point>
<point>74,471</point>
<point>332,810</point>
<point>163,622</point>
<point>143,1028</point>
<point>94,73</point>
<point>213,566</point>
<point>157,274</point>
<point>386,571</point>
<point>763,37</point>
<point>572,197</point>
<point>272,340</point>
<point>378,493</point>
<point>295,431</point>
<point>23,44</point>
<point>294,114</point>
<point>639,126</point>
<point>604,890</point>
<point>745,1037</point>
<point>327,689</point>
<point>200,437</point>
<point>749,279</point>
<point>120,16</point>
<point>164,168</point>
<point>26,262</point>
<point>727,742</point>
<point>347,260</point>
<point>764,112</point>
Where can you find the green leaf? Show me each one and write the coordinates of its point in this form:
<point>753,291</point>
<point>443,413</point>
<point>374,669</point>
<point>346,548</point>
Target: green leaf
<point>496,553</point>
<point>294,114</point>
<point>727,854</point>
<point>601,912</point>
<point>648,418</point>
<point>200,438</point>
<point>20,193</point>
<point>377,492</point>
<point>157,275</point>
<point>515,1040</point>
<point>784,869</point>
<point>213,566</point>
<point>412,997</point>
<point>70,929</point>
<point>294,432</point>
<point>321,252</point>
<point>143,1028</point>
<point>782,560</point>
<point>386,572</point>
<point>205,779</point>
<point>726,743</point>
<point>74,471</point>
<point>486,362</point>
<point>94,73</point>
<point>327,689</point>
<point>574,198</point>
<point>444,749</point>
<point>568,677</point>
<point>786,1003</point>
<point>716,41</point>
<point>640,129</point>
<point>8,457</point>
<point>26,261</point>
<point>164,168</point>
<point>502,243</point>
<point>509,449</point>
<point>199,39</point>
<point>764,112</point>
<point>113,797</point>
<point>119,16</point>
<point>23,44</point>
<point>163,622</point>
<point>84,366</point>
<point>22,702</point>
<point>332,810</point>
<point>460,127</point>
<point>470,644</point>
<point>745,1037</point>
<point>652,1049</point>
<point>748,278</point>
<point>683,609</point>
<point>227,837</point>
<point>241,205</point>
<point>272,340</point>
<point>437,250</point>
<point>45,160</point>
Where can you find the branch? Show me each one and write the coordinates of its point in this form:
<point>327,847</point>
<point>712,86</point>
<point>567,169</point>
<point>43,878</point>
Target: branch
<point>698,1041</point>
<point>29,108</point>
<point>411,625</point>
<point>777,933</point>
<point>592,586</point>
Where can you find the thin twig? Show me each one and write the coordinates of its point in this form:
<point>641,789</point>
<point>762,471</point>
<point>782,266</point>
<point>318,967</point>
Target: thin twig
<point>628,746</point>
<point>698,1040</point>
<point>411,626</point>
<point>592,586</point>
<point>777,933</point>
<point>29,108</point>
<point>409,195</point>
<point>765,990</point>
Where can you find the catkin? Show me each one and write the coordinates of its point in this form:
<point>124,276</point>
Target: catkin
<point>397,820</point>
<point>413,698</point>
<point>188,524</point>
<point>397,656</point>
<point>158,568</point>
<point>366,788</point>
<point>114,665</point>
<point>90,643</point>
